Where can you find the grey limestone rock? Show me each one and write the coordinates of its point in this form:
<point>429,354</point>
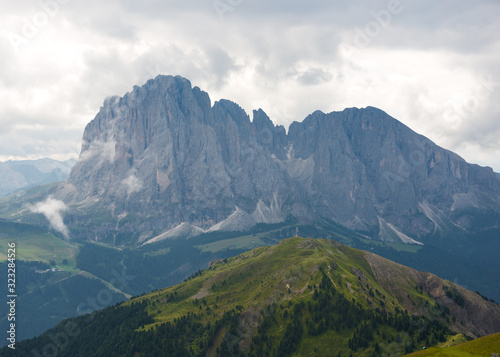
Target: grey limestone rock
<point>163,156</point>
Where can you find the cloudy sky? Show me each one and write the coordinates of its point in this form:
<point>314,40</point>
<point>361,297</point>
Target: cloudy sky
<point>434,65</point>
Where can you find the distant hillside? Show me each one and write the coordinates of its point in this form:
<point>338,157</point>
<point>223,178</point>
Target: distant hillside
<point>302,297</point>
<point>483,346</point>
<point>16,175</point>
<point>49,286</point>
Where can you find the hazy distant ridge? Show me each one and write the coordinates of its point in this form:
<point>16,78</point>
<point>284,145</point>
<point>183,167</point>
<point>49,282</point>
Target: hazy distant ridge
<point>17,175</point>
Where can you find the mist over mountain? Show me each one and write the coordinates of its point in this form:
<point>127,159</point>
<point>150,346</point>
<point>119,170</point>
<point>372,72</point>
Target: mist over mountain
<point>161,162</point>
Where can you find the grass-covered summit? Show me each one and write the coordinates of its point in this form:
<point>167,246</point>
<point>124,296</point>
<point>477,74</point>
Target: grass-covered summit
<point>302,297</point>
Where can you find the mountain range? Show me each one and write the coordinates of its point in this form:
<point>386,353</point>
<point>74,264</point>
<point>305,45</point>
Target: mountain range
<point>18,175</point>
<point>162,162</point>
<point>167,182</point>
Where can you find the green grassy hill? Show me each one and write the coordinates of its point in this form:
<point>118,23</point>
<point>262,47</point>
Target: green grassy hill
<point>302,297</point>
<point>483,346</point>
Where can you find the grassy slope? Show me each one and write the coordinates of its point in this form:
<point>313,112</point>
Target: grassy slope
<point>278,274</point>
<point>247,282</point>
<point>483,346</point>
<point>36,244</point>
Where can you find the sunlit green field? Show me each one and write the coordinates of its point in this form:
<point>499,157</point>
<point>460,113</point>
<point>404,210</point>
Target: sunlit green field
<point>34,244</point>
<point>483,346</point>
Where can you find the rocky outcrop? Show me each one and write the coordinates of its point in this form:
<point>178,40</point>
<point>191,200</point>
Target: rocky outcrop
<point>162,156</point>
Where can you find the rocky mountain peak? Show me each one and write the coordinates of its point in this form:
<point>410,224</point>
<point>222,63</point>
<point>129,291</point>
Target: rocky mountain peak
<point>162,156</point>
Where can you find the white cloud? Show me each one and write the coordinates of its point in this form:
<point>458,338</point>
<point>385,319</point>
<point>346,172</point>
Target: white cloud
<point>104,150</point>
<point>281,56</point>
<point>132,184</point>
<point>52,209</point>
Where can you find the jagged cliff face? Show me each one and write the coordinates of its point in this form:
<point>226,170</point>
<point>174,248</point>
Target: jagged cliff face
<point>163,159</point>
<point>162,155</point>
<point>371,170</point>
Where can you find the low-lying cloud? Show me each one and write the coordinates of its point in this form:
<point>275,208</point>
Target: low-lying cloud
<point>106,151</point>
<point>52,210</point>
<point>132,184</point>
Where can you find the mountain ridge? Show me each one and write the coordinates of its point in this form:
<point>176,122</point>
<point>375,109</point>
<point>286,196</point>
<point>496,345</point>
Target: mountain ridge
<point>162,155</point>
<point>22,174</point>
